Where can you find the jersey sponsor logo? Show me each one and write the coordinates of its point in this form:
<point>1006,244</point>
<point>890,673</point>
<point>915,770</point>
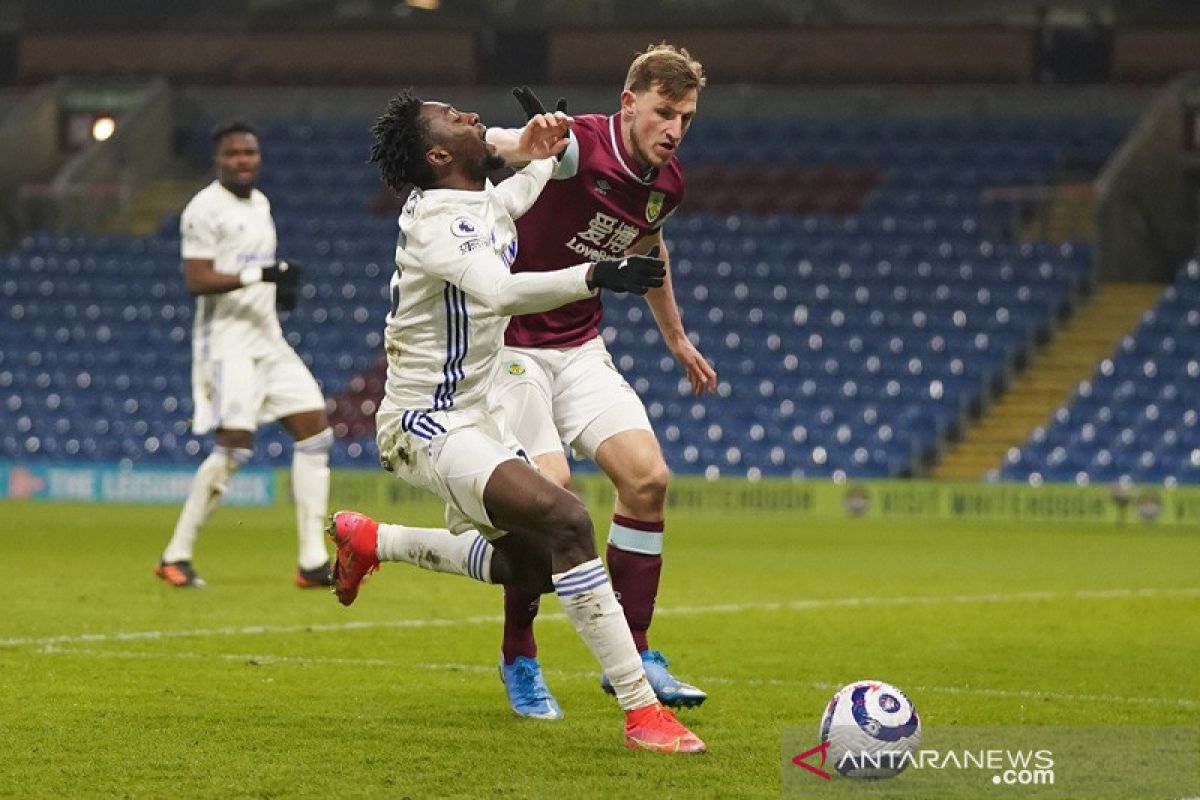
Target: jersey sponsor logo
<point>589,253</point>
<point>472,244</point>
<point>514,367</point>
<point>654,206</point>
<point>464,227</point>
<point>604,237</point>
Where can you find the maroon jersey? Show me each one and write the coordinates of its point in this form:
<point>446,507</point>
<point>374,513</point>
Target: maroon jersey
<point>597,214</point>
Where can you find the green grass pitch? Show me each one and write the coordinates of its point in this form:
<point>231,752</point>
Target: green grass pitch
<point>116,685</point>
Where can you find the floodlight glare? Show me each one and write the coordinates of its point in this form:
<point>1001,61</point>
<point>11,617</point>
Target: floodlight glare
<point>103,128</point>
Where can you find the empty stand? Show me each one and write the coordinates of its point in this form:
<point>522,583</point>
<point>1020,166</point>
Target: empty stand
<point>1136,417</point>
<point>1084,340</point>
<point>836,273</point>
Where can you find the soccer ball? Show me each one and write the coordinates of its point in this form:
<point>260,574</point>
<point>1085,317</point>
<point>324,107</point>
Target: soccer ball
<point>870,726</point>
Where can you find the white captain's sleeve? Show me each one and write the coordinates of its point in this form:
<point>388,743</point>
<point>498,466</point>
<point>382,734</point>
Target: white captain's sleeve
<point>518,193</point>
<point>197,231</point>
<point>472,265</point>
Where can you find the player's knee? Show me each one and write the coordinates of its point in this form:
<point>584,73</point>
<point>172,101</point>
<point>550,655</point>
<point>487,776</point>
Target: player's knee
<point>569,527</point>
<point>235,439</point>
<point>656,480</point>
<point>647,486</point>
<point>221,464</point>
<point>540,505</point>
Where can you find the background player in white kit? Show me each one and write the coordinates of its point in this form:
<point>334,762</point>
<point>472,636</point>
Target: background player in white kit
<point>244,373</point>
<point>436,426</point>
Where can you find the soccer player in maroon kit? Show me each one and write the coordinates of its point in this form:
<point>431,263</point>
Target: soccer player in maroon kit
<point>617,184</point>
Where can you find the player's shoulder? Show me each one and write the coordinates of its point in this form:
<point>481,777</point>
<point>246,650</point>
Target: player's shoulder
<point>439,217</point>
<point>590,131</point>
<point>591,123</point>
<point>434,206</point>
<point>671,177</point>
<point>207,198</point>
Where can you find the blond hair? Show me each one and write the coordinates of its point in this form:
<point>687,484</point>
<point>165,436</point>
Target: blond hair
<point>671,69</point>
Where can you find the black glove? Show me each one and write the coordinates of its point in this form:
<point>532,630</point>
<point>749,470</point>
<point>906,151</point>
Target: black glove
<point>282,273</point>
<point>635,274</point>
<point>286,277</point>
<point>532,106</point>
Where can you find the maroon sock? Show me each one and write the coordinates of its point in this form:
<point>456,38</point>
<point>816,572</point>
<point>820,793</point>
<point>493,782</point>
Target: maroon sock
<point>520,608</point>
<point>635,578</point>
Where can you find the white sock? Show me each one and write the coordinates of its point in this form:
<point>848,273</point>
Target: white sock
<point>437,549</point>
<point>208,487</point>
<point>588,599</point>
<point>310,487</point>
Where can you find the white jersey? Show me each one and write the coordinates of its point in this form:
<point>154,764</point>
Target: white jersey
<point>234,233</point>
<point>452,292</point>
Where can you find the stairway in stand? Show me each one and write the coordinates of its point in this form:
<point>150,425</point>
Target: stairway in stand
<point>1091,335</point>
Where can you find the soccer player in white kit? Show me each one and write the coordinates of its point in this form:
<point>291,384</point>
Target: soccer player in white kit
<point>244,373</point>
<point>436,426</point>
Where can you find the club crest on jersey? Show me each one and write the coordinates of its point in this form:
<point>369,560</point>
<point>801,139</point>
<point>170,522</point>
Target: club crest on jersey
<point>464,227</point>
<point>514,367</point>
<point>654,206</point>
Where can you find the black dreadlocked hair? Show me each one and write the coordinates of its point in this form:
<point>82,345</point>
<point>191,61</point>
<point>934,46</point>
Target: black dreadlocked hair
<point>401,140</point>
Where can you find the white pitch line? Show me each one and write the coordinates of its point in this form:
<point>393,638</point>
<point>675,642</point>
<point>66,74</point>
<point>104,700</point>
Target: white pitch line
<point>256,659</point>
<point>725,608</point>
<point>253,630</point>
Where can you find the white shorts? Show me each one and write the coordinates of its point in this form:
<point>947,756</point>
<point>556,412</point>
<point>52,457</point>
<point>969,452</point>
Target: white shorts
<point>450,453</point>
<point>574,396</point>
<point>239,392</point>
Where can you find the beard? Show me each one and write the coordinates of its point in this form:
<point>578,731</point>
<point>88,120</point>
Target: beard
<point>493,161</point>
<point>238,185</point>
<point>488,165</point>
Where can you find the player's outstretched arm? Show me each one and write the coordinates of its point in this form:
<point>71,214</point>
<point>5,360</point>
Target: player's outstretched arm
<point>201,277</point>
<point>700,373</point>
<point>518,193</point>
<point>509,294</point>
<point>479,272</point>
<point>543,136</point>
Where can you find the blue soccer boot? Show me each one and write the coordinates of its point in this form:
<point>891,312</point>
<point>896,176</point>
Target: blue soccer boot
<point>670,690</point>
<point>527,691</point>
